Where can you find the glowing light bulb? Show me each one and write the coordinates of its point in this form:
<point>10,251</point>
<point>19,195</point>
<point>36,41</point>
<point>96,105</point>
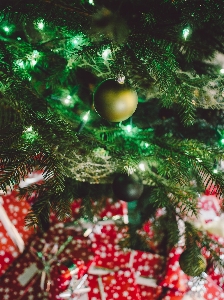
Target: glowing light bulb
<point>142,166</point>
<point>186,32</point>
<point>29,129</point>
<point>222,141</point>
<point>106,54</point>
<point>146,145</point>
<point>6,28</point>
<point>128,128</point>
<point>222,71</point>
<point>91,2</point>
<point>67,100</point>
<point>40,25</point>
<point>20,63</point>
<point>215,171</point>
<point>86,116</point>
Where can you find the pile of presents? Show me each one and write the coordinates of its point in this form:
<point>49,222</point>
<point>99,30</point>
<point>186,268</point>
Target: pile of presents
<point>85,261</point>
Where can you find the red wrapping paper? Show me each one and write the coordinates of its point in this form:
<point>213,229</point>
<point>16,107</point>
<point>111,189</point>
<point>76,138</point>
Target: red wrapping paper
<point>112,208</point>
<point>16,211</point>
<point>213,291</point>
<point>217,276</point>
<point>116,285</point>
<point>148,264</point>
<point>149,292</point>
<point>173,295</point>
<point>111,257</point>
<point>175,278</point>
<point>78,248</point>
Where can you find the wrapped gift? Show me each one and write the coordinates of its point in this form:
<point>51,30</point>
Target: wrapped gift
<point>113,208</point>
<point>39,267</point>
<point>204,288</point>
<point>216,274</point>
<point>174,295</point>
<point>116,285</point>
<point>148,288</point>
<point>111,257</point>
<point>13,233</point>
<point>148,264</point>
<point>212,290</point>
<point>174,278</point>
<point>209,206</point>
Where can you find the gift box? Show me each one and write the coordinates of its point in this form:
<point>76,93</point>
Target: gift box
<point>174,295</point>
<point>35,273</point>
<point>174,278</point>
<point>148,288</point>
<point>111,257</point>
<point>148,264</point>
<point>116,285</point>
<point>13,233</point>
<point>212,290</point>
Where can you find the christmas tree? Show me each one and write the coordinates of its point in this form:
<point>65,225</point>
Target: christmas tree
<point>64,65</point>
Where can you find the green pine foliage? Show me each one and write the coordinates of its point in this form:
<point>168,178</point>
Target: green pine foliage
<point>52,57</point>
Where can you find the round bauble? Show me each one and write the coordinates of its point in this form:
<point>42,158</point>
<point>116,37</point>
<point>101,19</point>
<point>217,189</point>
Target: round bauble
<point>113,101</point>
<point>127,187</point>
<point>191,264</point>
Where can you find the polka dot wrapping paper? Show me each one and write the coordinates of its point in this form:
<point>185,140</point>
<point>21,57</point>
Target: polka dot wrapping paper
<point>29,288</point>
<point>118,285</point>
<point>174,278</point>
<point>16,211</point>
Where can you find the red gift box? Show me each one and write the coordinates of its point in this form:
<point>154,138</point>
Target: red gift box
<point>213,291</point>
<point>79,248</point>
<point>13,233</point>
<point>173,295</point>
<point>175,278</point>
<point>116,285</point>
<point>112,208</point>
<point>111,257</point>
<point>148,264</point>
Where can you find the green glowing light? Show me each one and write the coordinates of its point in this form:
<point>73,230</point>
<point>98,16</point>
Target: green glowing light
<point>91,2</point>
<point>106,54</point>
<point>142,166</point>
<point>128,128</point>
<point>222,141</point>
<point>40,25</point>
<point>86,116</point>
<point>75,41</point>
<point>222,71</point>
<point>20,63</point>
<point>67,100</point>
<point>29,129</point>
<point>146,145</point>
<point>186,32</point>
<point>215,171</point>
<point>19,38</point>
<point>6,29</point>
<point>33,58</point>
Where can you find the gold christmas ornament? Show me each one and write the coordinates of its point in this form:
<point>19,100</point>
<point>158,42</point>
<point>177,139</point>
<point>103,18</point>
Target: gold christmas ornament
<point>114,101</point>
<point>191,264</point>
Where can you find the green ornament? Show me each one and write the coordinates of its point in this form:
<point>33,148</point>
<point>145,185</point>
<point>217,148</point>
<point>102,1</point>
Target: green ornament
<point>192,264</point>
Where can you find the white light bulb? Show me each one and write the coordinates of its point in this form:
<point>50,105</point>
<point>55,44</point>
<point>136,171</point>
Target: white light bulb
<point>6,29</point>
<point>142,166</point>
<point>29,129</point>
<point>128,128</point>
<point>106,54</point>
<point>40,25</point>
<point>186,32</point>
<point>86,116</point>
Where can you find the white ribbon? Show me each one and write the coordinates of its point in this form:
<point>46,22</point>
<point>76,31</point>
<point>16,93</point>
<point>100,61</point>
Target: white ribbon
<point>10,228</point>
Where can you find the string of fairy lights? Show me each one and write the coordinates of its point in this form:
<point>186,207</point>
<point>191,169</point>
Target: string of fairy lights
<point>32,59</point>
